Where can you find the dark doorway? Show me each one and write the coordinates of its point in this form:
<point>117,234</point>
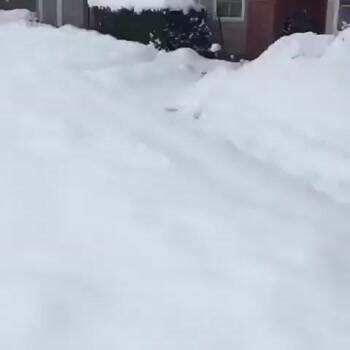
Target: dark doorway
<point>293,16</point>
<point>268,20</point>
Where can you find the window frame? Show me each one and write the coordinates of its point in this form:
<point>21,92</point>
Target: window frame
<point>231,19</point>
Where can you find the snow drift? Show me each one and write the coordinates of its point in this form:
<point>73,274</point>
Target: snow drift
<point>301,86</point>
<point>15,16</point>
<point>163,201</point>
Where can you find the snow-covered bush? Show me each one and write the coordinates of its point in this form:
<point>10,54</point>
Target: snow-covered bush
<point>345,25</point>
<point>300,22</point>
<point>166,29</point>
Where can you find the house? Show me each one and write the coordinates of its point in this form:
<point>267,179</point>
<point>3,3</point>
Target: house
<point>243,27</point>
<point>248,27</point>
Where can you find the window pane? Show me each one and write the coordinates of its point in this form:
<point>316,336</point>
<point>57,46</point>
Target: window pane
<point>229,8</point>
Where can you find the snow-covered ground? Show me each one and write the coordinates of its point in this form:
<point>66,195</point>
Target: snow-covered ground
<point>146,205</point>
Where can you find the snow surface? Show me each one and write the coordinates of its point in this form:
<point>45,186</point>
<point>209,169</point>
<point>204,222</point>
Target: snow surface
<point>15,15</point>
<point>147,205</point>
<point>140,5</point>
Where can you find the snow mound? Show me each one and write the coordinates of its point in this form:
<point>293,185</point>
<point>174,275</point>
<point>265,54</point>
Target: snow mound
<point>15,16</point>
<point>301,85</point>
<point>163,201</point>
<point>140,5</point>
<point>307,45</point>
<point>339,50</point>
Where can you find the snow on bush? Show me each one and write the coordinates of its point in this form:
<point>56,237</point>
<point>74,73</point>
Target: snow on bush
<point>165,29</point>
<point>148,205</point>
<point>140,5</point>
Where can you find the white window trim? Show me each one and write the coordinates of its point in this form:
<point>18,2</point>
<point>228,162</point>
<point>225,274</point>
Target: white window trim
<point>332,16</point>
<point>231,19</point>
<point>40,10</point>
<point>59,5</point>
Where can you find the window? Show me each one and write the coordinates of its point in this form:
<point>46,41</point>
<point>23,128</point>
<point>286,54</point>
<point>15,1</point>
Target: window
<point>230,9</point>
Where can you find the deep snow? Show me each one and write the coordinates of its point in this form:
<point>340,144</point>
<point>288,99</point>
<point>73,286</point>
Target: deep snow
<point>163,201</point>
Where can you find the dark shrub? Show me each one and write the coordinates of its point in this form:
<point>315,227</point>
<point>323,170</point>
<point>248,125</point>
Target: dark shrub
<point>167,30</point>
<point>300,22</point>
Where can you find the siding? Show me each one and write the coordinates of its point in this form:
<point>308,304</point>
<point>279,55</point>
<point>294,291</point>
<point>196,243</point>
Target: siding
<point>60,12</point>
<point>261,16</point>
<point>75,12</point>
<point>230,34</point>
<point>332,16</point>
<point>49,12</point>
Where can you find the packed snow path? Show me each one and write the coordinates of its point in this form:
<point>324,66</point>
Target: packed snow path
<point>147,206</point>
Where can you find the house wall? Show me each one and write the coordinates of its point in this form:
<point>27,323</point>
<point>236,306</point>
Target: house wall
<point>332,16</point>
<point>316,9</point>
<point>229,33</point>
<point>319,9</point>
<point>61,12</point>
<point>47,11</point>
<point>261,24</point>
<point>75,12</point>
<point>264,22</point>
<point>17,4</point>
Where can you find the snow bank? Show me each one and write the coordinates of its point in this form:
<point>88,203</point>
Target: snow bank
<point>15,16</point>
<point>307,45</point>
<point>146,205</point>
<point>301,85</point>
<point>139,5</point>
